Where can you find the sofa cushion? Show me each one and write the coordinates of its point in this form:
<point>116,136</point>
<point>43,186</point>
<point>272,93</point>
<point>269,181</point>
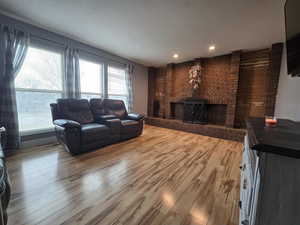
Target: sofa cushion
<point>94,132</point>
<point>97,106</point>
<point>115,107</point>
<point>75,109</point>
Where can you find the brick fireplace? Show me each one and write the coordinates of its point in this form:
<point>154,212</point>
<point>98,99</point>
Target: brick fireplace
<point>235,86</point>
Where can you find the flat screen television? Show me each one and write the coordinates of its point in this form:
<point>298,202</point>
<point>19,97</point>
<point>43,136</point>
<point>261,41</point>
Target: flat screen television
<point>292,29</point>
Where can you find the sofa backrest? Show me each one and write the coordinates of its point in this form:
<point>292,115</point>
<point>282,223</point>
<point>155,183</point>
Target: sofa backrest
<point>75,109</point>
<point>55,111</point>
<point>115,107</point>
<point>97,107</point>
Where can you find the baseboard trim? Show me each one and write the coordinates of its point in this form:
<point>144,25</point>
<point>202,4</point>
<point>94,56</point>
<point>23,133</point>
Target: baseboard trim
<point>39,142</point>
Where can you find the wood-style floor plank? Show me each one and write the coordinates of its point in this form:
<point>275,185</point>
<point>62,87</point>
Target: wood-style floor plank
<point>164,177</point>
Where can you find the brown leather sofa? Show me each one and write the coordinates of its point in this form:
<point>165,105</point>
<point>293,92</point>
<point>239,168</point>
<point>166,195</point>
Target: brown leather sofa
<point>81,125</point>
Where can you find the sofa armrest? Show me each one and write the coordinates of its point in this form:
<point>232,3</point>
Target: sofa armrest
<point>103,118</point>
<point>68,132</point>
<point>135,116</point>
<point>2,130</point>
<point>112,123</point>
<point>67,123</point>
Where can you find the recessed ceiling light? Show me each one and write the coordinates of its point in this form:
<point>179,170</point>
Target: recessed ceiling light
<point>175,56</point>
<point>212,47</point>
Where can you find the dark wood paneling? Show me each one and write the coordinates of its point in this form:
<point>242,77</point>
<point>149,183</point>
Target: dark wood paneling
<point>251,95</point>
<point>273,78</point>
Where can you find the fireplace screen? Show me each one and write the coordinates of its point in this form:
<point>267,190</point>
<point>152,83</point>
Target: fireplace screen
<point>194,111</point>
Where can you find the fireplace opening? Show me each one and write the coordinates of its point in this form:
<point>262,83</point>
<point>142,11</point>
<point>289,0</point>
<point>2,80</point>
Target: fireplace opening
<point>194,111</point>
<point>176,111</point>
<point>156,108</point>
<point>191,110</point>
<point>216,114</point>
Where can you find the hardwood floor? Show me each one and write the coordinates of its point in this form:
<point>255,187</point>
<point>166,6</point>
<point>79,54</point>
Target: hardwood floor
<point>164,177</point>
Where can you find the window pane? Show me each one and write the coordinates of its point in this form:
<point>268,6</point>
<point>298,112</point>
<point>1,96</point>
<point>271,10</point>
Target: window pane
<point>124,98</point>
<point>42,69</point>
<point>116,81</point>
<point>89,96</point>
<point>34,109</point>
<point>90,77</point>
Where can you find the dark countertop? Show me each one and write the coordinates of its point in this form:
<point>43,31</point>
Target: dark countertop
<point>284,139</point>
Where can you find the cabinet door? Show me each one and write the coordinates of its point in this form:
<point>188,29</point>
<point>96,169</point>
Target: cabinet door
<point>245,189</point>
<point>255,196</point>
<point>243,215</point>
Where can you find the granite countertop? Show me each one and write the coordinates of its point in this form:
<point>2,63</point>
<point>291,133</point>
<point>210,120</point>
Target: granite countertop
<point>284,139</point>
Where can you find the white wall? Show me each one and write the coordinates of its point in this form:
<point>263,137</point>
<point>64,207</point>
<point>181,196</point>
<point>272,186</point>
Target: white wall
<point>140,89</point>
<point>288,96</point>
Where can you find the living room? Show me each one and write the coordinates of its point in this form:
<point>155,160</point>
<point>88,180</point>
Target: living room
<point>149,112</point>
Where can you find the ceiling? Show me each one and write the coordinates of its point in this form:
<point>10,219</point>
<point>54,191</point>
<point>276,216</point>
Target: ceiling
<point>151,31</point>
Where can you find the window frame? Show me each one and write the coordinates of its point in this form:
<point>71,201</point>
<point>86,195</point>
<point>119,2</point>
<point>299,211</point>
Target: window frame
<point>83,55</point>
<point>46,47</point>
<point>101,73</point>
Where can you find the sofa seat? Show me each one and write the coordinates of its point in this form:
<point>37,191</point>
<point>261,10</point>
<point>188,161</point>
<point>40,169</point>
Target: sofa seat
<point>94,132</point>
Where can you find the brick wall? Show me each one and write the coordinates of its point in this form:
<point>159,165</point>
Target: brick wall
<point>181,87</point>
<point>244,82</point>
<point>214,85</point>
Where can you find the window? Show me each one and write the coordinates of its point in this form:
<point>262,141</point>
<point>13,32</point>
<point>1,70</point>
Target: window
<point>117,88</point>
<point>91,79</point>
<point>38,84</point>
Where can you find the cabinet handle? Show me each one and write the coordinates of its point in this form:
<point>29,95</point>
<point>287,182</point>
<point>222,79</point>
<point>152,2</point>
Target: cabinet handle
<point>245,222</point>
<point>245,184</point>
<point>243,167</point>
<point>240,204</point>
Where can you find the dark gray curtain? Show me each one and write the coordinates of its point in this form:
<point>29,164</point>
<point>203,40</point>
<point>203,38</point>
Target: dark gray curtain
<point>13,48</point>
<point>129,77</point>
<point>72,73</point>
